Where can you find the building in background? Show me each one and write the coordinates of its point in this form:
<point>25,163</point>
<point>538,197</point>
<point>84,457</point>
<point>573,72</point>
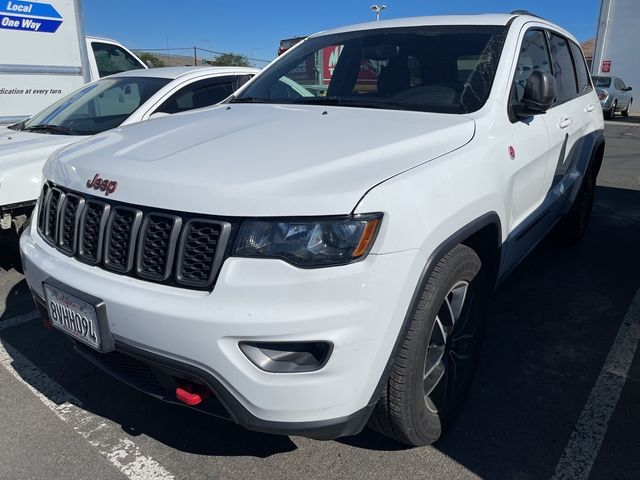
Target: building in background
<point>617,38</point>
<point>587,49</point>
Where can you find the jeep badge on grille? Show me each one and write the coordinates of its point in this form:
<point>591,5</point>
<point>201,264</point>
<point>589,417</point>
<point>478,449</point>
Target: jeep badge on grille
<point>106,186</point>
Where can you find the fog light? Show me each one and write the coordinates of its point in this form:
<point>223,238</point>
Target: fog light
<point>287,357</point>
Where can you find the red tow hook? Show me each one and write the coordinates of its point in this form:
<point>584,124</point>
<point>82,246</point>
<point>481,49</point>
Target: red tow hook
<point>191,394</point>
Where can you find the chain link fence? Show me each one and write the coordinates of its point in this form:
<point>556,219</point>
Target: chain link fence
<point>190,56</point>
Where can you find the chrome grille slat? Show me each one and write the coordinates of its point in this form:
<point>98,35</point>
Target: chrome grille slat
<point>179,249</point>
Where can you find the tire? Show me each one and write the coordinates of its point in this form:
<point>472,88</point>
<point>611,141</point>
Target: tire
<point>440,350</point>
<point>574,225</point>
<point>608,114</point>
<point>627,111</point>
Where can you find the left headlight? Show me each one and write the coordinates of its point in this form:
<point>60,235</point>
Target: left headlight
<point>309,243</point>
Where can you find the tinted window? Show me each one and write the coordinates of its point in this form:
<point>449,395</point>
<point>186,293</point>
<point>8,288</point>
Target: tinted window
<point>584,84</point>
<point>112,59</point>
<point>604,82</point>
<point>566,86</point>
<point>533,56</point>
<point>200,94</point>
<point>622,85</point>
<point>436,68</point>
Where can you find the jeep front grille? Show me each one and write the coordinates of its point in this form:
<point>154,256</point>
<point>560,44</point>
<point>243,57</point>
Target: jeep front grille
<point>173,248</point>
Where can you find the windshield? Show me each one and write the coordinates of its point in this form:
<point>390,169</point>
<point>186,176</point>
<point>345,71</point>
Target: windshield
<point>446,69</point>
<point>604,82</point>
<point>96,107</point>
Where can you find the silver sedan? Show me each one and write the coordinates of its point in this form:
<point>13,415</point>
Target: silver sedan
<point>614,95</point>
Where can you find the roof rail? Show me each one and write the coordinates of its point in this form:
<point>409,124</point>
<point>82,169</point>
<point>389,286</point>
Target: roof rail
<point>525,12</point>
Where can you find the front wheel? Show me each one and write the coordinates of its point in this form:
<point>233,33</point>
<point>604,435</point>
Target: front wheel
<point>436,363</point>
<point>627,111</point>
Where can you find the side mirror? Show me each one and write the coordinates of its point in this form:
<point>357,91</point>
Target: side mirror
<point>539,92</point>
<point>629,89</point>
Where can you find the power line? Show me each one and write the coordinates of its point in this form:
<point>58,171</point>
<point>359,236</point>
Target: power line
<point>191,50</point>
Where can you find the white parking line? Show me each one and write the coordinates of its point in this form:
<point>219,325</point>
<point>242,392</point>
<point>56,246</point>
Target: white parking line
<point>14,321</point>
<point>99,433</point>
<point>585,442</point>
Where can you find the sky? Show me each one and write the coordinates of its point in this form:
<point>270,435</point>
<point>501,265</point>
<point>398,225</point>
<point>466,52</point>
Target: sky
<point>255,28</point>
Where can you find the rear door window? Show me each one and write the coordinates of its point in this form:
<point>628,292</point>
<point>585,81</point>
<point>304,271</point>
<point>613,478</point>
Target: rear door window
<point>200,94</point>
<point>584,84</point>
<point>563,69</point>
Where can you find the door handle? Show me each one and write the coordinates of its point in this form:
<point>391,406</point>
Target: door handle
<point>565,122</point>
<point>590,108</point>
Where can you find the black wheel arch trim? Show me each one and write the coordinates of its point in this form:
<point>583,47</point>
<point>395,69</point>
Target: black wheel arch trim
<point>488,219</point>
<point>600,142</point>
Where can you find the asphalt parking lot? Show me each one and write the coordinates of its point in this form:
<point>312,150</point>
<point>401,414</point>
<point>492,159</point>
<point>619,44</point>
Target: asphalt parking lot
<point>557,393</point>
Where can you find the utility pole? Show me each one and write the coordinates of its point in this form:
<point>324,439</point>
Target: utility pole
<point>378,9</point>
<point>195,56</point>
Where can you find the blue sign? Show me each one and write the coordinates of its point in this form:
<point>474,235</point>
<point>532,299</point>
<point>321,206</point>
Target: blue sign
<point>27,16</point>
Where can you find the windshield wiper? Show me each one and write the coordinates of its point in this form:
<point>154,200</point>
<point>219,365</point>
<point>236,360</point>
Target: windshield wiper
<point>350,102</point>
<point>249,100</point>
<point>50,128</point>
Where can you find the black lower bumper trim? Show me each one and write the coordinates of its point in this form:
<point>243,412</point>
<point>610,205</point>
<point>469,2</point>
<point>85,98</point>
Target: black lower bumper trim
<point>158,376</point>
<point>319,430</point>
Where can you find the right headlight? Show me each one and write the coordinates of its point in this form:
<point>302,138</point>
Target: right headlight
<point>309,242</point>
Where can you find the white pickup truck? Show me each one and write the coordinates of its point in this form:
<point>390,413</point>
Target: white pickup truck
<point>307,264</point>
<point>45,55</point>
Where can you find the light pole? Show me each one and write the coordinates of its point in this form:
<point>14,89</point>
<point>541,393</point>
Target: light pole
<point>378,9</point>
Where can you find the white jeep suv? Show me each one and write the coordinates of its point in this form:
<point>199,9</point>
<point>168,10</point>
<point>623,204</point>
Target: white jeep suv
<point>308,264</point>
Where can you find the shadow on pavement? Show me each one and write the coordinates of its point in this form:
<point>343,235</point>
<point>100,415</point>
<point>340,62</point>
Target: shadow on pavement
<point>552,324</point>
<point>18,299</point>
<point>634,118</point>
<point>551,328</point>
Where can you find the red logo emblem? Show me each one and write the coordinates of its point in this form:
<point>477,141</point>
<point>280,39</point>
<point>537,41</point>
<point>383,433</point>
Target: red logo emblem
<point>106,186</point>
<point>512,152</point>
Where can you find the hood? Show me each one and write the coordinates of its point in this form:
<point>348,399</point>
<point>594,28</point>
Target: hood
<point>259,159</point>
<point>22,156</point>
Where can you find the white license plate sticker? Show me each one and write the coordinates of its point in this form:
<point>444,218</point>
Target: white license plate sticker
<point>73,316</point>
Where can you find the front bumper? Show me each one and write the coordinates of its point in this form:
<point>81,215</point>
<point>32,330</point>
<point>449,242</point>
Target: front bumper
<point>359,308</point>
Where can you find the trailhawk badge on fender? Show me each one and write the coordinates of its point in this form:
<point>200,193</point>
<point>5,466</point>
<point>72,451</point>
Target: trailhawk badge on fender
<point>106,186</point>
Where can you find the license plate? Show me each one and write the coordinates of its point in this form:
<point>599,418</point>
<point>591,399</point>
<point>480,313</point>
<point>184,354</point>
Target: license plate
<point>73,316</point>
